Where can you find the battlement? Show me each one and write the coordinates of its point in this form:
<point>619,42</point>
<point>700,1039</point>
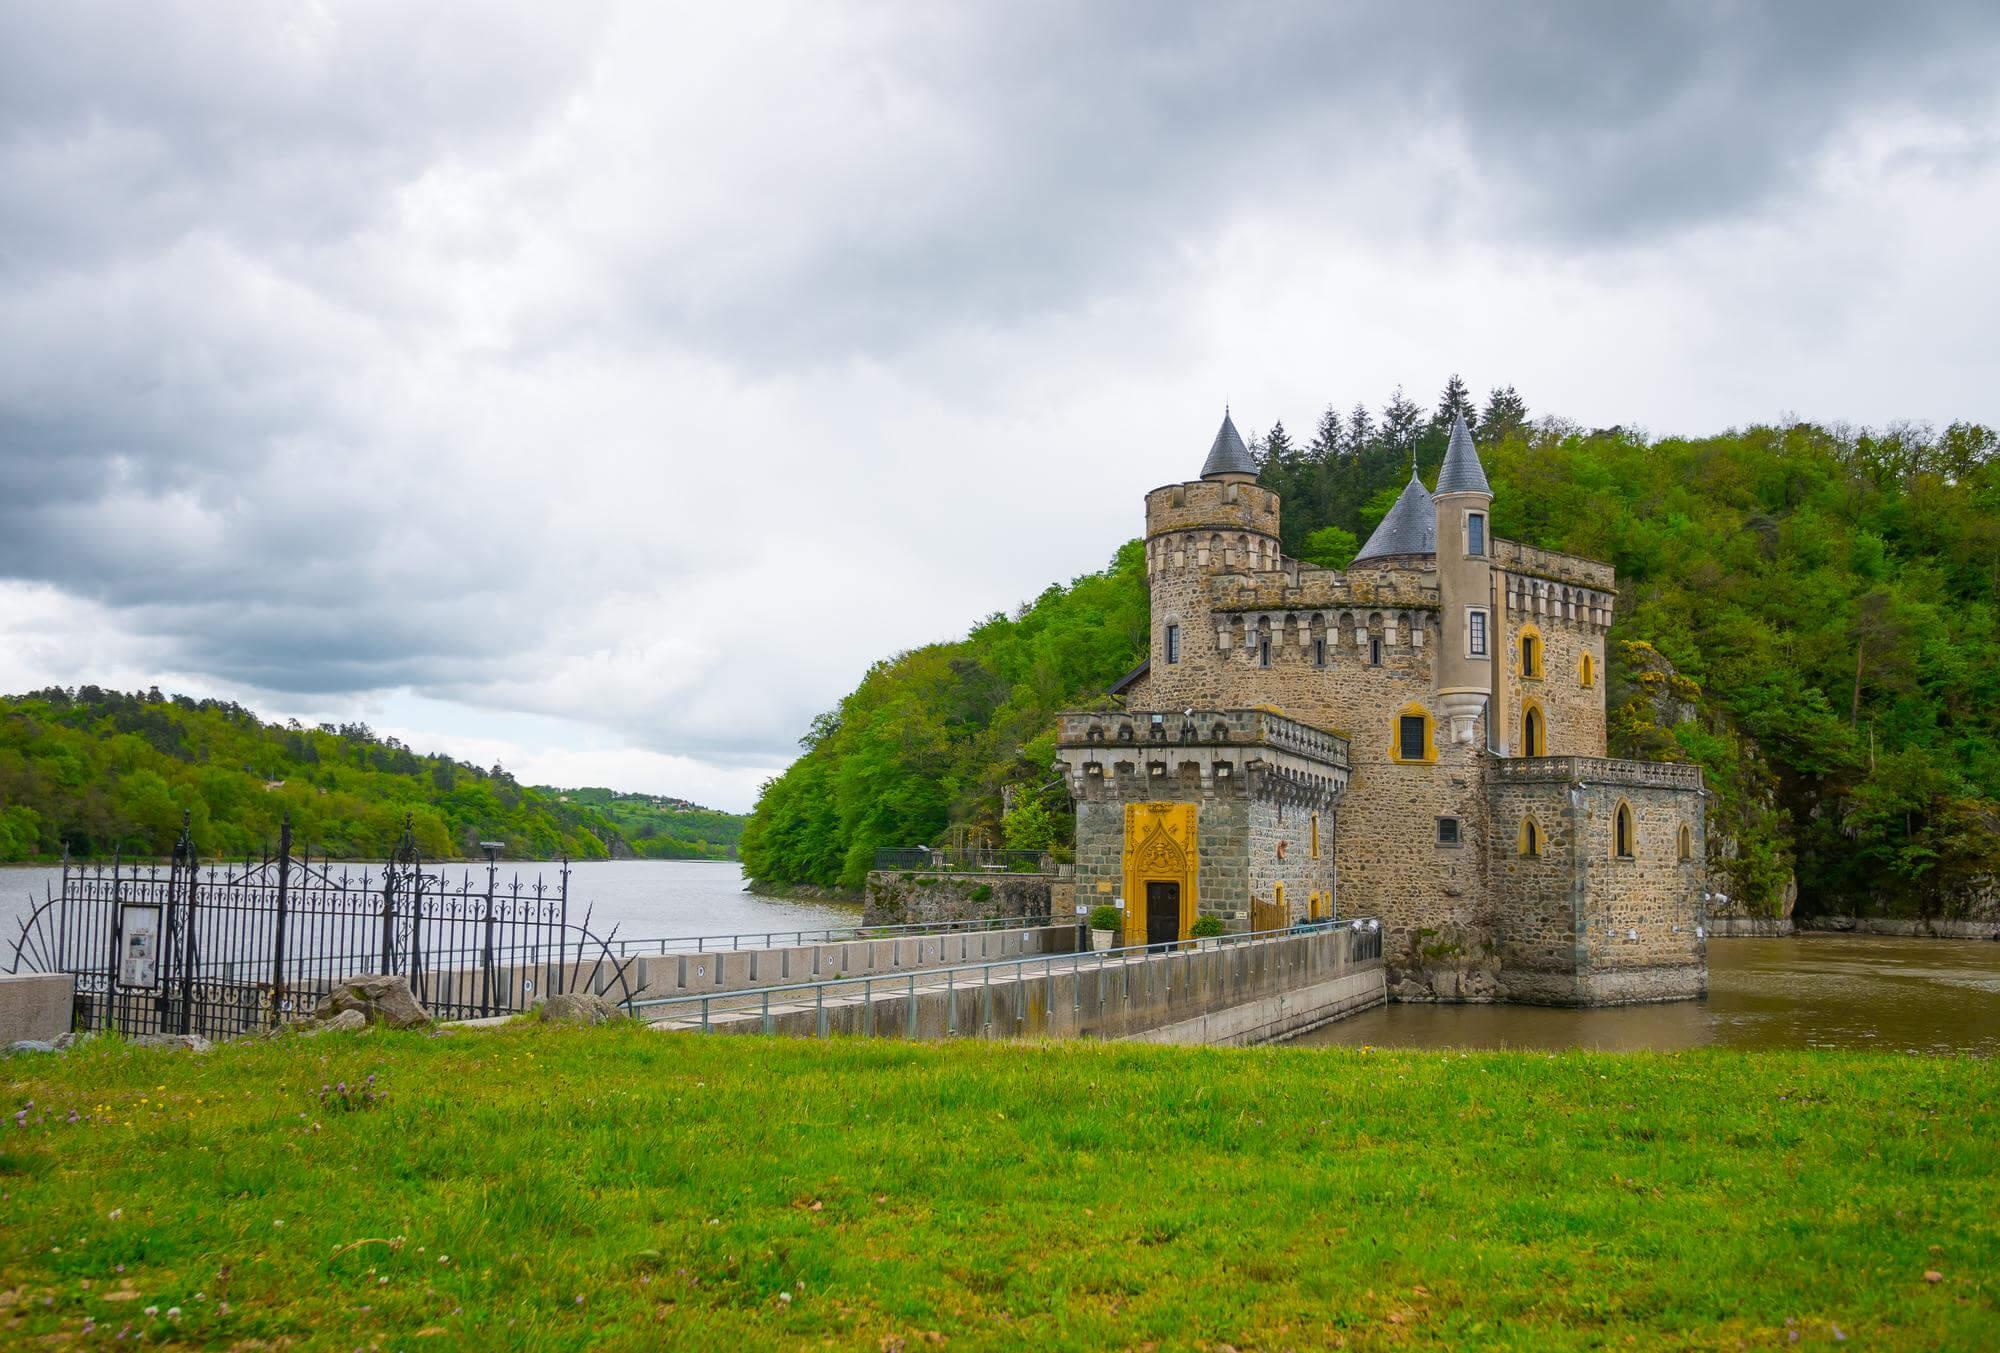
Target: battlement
<point>1266,753</point>
<point>1211,526</point>
<point>1597,770</point>
<point>1554,565</point>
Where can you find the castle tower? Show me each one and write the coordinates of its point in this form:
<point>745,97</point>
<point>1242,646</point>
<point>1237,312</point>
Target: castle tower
<point>1468,644</point>
<point>1221,523</point>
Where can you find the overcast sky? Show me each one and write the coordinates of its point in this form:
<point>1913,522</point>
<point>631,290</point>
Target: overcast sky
<point>601,388</point>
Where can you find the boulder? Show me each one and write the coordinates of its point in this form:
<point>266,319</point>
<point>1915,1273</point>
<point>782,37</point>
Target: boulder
<point>347,1021</point>
<point>578,1007</point>
<point>187,1042</point>
<point>31,1045</point>
<point>379,998</point>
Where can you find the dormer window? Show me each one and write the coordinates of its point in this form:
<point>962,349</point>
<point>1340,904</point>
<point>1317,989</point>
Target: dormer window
<point>1475,534</point>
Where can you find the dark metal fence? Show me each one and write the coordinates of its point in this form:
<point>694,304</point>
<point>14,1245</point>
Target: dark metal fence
<point>974,858</point>
<point>220,950</point>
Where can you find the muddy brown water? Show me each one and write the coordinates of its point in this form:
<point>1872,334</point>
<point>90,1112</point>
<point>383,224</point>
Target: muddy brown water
<point>1892,995</point>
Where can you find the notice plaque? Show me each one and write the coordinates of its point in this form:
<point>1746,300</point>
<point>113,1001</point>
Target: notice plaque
<point>139,946</point>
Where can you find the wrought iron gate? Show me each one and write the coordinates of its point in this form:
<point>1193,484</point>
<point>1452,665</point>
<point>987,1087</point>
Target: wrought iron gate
<point>221,950</point>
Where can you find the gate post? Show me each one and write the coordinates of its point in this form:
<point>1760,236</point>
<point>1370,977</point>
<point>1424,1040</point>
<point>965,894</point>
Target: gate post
<point>184,858</point>
<point>284,892</point>
<point>562,936</point>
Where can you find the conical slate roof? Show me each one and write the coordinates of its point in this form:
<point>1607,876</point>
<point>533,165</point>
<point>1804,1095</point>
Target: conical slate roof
<point>1410,528</point>
<point>1228,455</point>
<point>1462,472</point>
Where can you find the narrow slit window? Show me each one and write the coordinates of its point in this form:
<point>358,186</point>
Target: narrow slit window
<point>1475,533</point>
<point>1621,833</point>
<point>1374,652</point>
<point>1173,643</point>
<point>1264,650</point>
<point>1531,838</point>
<point>1319,652</point>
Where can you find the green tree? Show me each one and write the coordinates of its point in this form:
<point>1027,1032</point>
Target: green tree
<point>1330,547</point>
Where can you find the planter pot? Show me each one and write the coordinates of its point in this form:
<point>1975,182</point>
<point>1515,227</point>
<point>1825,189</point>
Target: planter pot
<point>1100,940</point>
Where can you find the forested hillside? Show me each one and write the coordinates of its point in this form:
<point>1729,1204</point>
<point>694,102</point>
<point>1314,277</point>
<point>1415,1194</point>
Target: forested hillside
<point>1806,611</point>
<point>98,771</point>
<point>662,828</point>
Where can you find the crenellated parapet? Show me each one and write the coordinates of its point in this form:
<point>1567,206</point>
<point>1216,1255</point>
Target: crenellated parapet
<point>1549,587</point>
<point>1597,770</point>
<point>1118,756</point>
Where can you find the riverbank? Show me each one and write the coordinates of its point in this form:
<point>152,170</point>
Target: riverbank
<point>561,1188</point>
<point>1780,927</point>
<point>804,892</point>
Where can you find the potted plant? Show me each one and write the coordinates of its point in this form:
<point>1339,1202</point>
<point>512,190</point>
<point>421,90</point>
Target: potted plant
<point>1104,927</point>
<point>1205,927</point>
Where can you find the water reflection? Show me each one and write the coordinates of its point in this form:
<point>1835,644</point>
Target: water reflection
<point>1893,995</point>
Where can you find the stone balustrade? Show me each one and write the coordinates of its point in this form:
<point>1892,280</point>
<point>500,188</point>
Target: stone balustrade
<point>1601,770</point>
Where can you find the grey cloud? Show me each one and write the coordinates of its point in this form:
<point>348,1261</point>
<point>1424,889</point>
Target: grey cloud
<point>204,210</point>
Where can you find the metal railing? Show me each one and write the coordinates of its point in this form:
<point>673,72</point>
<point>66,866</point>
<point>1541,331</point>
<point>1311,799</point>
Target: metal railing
<point>977,858</point>
<point>799,938</point>
<point>1366,947</point>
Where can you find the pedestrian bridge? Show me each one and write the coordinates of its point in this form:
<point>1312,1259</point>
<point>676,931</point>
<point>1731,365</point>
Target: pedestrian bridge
<point>1230,989</point>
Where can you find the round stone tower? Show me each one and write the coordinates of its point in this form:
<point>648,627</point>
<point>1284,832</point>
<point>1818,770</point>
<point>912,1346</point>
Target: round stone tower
<point>1469,640</point>
<point>1220,523</point>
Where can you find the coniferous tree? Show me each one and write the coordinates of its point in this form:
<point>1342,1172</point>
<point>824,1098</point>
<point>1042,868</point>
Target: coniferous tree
<point>1455,402</point>
<point>1278,448</point>
<point>1402,421</point>
<point>1360,429</point>
<point>1329,438</point>
<point>1506,415</point>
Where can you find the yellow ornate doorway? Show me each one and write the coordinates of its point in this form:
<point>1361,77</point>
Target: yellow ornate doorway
<point>1159,850</point>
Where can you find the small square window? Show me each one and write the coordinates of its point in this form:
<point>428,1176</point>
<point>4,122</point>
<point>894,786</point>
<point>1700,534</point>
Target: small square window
<point>1447,831</point>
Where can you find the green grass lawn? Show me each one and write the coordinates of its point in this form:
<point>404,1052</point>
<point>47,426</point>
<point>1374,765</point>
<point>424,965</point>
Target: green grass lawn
<point>560,1188</point>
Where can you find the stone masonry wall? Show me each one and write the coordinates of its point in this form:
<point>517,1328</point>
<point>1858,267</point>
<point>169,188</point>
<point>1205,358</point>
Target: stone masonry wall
<point>1642,916</point>
<point>1271,823</point>
<point>895,897</point>
<point>1573,712</point>
<point>1536,897</point>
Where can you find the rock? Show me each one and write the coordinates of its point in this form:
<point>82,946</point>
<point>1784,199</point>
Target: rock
<point>1478,985</point>
<point>1444,981</point>
<point>188,1042</point>
<point>378,998</point>
<point>31,1045</point>
<point>578,1007</point>
<point>347,1021</point>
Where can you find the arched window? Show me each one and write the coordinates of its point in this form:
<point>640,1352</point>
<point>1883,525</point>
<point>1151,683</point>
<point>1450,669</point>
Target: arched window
<point>1534,730</point>
<point>1413,742</point>
<point>1586,671</point>
<point>1687,843</point>
<point>1531,653</point>
<point>1315,836</point>
<point>1531,838</point>
<point>1624,844</point>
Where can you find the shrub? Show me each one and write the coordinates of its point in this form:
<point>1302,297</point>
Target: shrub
<point>981,893</point>
<point>1104,917</point>
<point>1206,927</point>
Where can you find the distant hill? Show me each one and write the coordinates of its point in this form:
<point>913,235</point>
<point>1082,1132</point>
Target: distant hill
<point>660,826</point>
<point>96,771</point>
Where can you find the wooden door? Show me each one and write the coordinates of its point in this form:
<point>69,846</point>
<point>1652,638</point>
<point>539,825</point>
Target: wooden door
<point>1163,913</point>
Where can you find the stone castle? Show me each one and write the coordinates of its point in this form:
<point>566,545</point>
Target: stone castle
<point>1419,737</point>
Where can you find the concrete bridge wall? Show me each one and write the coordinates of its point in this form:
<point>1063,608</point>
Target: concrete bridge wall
<point>1220,992</point>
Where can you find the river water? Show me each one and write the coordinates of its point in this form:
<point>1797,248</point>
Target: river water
<point>1835,991</point>
<point>640,899</point>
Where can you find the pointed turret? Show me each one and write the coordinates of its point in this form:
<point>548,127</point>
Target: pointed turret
<point>1462,472</point>
<point>1465,660</point>
<point>1228,455</point>
<point>1409,528</point>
